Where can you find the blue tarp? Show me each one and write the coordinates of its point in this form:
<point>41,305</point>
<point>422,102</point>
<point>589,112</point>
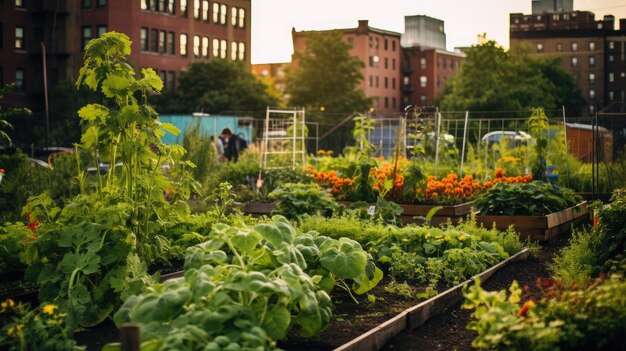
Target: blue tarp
<point>209,125</point>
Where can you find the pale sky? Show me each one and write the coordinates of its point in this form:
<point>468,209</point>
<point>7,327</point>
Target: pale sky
<point>272,20</point>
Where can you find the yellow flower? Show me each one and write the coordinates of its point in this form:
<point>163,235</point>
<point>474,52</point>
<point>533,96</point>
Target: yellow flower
<point>427,236</point>
<point>447,238</point>
<point>7,304</point>
<point>439,237</point>
<point>405,240</point>
<point>462,238</point>
<point>15,329</point>
<point>50,309</point>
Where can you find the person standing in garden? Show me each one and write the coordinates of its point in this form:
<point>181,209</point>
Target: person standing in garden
<point>232,145</point>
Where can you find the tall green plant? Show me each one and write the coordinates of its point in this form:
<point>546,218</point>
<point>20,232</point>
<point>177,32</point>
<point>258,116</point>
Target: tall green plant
<point>537,125</point>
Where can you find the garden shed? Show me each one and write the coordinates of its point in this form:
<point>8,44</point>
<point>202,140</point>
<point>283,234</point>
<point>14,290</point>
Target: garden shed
<point>209,125</point>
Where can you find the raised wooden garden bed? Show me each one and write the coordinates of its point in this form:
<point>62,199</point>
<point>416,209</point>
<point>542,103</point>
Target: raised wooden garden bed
<point>539,227</point>
<point>453,212</point>
<point>417,315</point>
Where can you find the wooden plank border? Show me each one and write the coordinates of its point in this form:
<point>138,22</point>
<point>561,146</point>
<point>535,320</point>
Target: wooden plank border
<point>417,315</point>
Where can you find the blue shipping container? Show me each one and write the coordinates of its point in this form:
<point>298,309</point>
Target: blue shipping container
<point>209,125</point>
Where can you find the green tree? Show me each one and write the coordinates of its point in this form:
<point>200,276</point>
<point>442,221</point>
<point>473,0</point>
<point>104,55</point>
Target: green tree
<point>214,87</point>
<point>6,113</point>
<point>327,76</point>
<point>493,79</point>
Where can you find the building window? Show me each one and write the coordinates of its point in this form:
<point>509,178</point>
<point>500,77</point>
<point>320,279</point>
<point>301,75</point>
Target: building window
<point>154,40</point>
<point>233,50</point>
<point>163,76</point>
<point>592,45</point>
<point>393,45</point>
<point>393,64</point>
<point>223,13</point>
<point>377,81</point>
<point>216,12</point>
<point>592,109</point>
<point>592,61</point>
<point>101,29</point>
<point>371,42</point>
<point>205,47</point>
<point>85,4</point>
<point>611,45</point>
<point>393,83</point>
<point>205,10</point>
<point>233,16</point>
<point>162,41</point>
<point>19,80</point>
<point>423,81</point>
<point>386,102</point>
<point>611,96</point>
<point>574,61</point>
<point>144,4</point>
<point>592,78</point>
<point>101,3</point>
<point>423,100</point>
<point>171,80</point>
<point>196,46</point>
<point>386,45</point>
<point>611,77</point>
<point>611,58</point>
<point>183,8</point>
<point>86,37</point>
<point>374,61</point>
<point>405,80</point>
<point>371,82</point>
<point>242,18</point>
<point>242,51</point>
<point>183,45</point>
<point>386,83</point>
<point>559,47</point>
<point>170,7</point>
<point>196,9</point>
<point>376,43</point>
<point>574,46</point>
<point>539,47</point>
<point>19,38</point>
<point>170,43</point>
<point>393,103</point>
<point>223,48</point>
<point>143,39</point>
<point>423,63</point>
<point>386,63</point>
<point>592,94</point>
<point>216,48</point>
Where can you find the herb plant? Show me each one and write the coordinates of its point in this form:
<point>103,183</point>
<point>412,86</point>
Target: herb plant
<point>296,199</point>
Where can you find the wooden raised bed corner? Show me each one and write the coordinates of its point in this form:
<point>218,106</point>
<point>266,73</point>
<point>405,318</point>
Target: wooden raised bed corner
<point>453,212</point>
<point>539,227</point>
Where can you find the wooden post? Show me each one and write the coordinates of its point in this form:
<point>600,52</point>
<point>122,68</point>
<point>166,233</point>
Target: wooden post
<point>129,337</point>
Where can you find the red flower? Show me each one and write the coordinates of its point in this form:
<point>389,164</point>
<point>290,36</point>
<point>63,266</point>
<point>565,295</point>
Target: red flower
<point>1,170</point>
<point>32,226</point>
<point>523,312</point>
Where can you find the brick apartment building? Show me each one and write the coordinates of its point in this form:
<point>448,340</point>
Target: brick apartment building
<point>424,73</point>
<point>167,36</point>
<point>592,50</point>
<point>380,51</point>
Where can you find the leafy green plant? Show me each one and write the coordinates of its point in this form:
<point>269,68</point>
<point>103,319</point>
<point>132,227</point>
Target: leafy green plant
<point>585,318</point>
<point>579,261</point>
<point>293,200</point>
<point>247,287</point>
<point>530,199</point>
<point>35,329</point>
<point>613,226</point>
<point>537,125</point>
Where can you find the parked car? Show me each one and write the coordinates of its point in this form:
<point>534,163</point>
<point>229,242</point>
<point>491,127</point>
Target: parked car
<point>514,138</point>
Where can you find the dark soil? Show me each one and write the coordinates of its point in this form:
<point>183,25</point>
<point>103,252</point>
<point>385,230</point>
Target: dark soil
<point>447,331</point>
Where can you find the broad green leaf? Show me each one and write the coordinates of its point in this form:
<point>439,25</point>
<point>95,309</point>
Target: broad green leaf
<point>246,241</point>
<point>277,322</point>
<point>93,112</point>
<point>169,128</point>
<point>363,283</point>
<point>116,86</point>
<point>346,264</point>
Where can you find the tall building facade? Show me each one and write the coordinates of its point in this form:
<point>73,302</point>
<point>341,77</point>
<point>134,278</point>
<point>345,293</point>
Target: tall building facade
<point>423,31</point>
<point>425,72</point>
<point>551,6</point>
<point>592,50</point>
<point>167,36</point>
<point>380,51</point>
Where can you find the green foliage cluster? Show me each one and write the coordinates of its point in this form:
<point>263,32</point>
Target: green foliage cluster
<point>613,226</point>
<point>327,75</point>
<point>296,199</point>
<point>530,199</point>
<point>424,255</point>
<point>247,287</point>
<point>492,79</point>
<point>35,329</point>
<point>588,318</point>
<point>5,113</point>
<point>216,87</point>
<point>201,152</point>
<point>579,261</point>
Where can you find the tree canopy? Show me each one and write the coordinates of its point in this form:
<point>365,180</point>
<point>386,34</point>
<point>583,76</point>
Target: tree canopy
<point>492,79</point>
<point>214,87</point>
<point>326,75</point>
